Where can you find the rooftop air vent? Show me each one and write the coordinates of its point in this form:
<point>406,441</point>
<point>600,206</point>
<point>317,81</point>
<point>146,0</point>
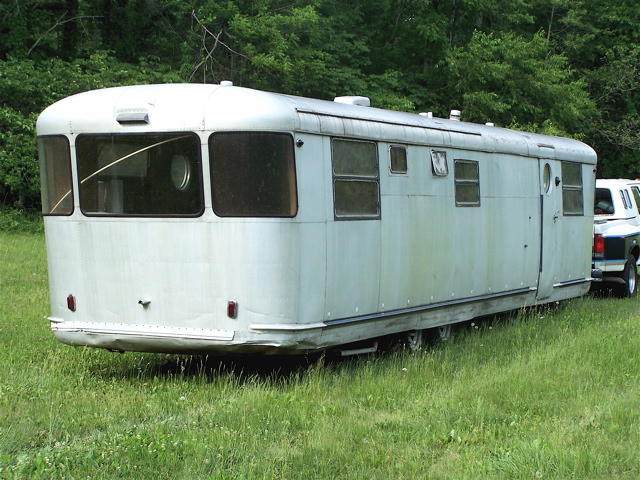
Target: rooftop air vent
<point>426,114</point>
<point>133,118</point>
<point>362,101</point>
<point>226,83</point>
<point>454,115</point>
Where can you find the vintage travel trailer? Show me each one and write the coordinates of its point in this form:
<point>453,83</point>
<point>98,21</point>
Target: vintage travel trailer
<point>215,218</point>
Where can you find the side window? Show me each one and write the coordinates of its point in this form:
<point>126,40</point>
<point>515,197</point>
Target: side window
<point>253,174</point>
<point>356,189</point>
<point>636,195</point>
<point>603,202</point>
<point>624,200</point>
<point>627,199</point>
<point>439,165</point>
<point>398,156</point>
<point>467,181</point>
<point>55,175</point>
<point>572,189</point>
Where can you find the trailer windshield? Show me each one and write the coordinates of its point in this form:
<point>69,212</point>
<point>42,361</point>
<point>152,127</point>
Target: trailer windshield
<point>140,175</point>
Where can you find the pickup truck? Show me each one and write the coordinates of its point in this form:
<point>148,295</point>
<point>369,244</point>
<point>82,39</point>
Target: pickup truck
<point>616,239</point>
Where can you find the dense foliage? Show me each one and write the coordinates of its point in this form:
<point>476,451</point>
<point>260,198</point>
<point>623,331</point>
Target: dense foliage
<point>565,67</point>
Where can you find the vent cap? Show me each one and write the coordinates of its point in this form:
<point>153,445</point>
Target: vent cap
<point>354,100</point>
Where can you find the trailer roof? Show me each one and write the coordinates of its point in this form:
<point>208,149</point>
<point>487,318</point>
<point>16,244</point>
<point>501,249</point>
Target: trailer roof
<point>206,107</point>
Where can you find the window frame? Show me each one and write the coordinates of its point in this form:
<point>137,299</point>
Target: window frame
<point>570,189</point>
<point>635,191</point>
<point>436,165</point>
<point>293,178</point>
<point>397,171</point>
<point>343,178</point>
<point>49,166</point>
<point>198,174</point>
<point>466,182</point>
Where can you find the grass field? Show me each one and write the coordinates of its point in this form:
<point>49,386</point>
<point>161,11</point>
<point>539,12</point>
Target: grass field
<point>552,393</point>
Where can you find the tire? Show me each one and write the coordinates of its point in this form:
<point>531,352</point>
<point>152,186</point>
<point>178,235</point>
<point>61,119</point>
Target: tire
<point>414,340</point>
<point>630,277</point>
<point>440,334</point>
<point>443,332</point>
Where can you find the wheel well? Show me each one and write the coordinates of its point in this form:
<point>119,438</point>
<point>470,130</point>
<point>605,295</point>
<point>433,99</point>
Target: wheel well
<point>635,251</point>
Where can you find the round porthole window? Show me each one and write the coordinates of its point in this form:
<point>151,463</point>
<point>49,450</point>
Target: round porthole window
<point>546,178</point>
<point>180,172</point>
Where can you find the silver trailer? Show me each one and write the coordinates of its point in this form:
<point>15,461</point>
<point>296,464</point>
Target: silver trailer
<point>214,218</point>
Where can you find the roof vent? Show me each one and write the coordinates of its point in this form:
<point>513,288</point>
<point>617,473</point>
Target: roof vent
<point>226,83</point>
<point>426,114</point>
<point>489,124</point>
<point>454,115</point>
<point>133,118</point>
<point>355,100</point>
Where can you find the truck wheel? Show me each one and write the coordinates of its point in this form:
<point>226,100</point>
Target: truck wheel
<point>630,277</point>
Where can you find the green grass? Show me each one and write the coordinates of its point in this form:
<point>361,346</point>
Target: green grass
<point>549,393</point>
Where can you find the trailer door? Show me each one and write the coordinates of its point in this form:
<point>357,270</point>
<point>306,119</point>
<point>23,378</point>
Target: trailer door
<point>550,219</point>
<point>353,237</point>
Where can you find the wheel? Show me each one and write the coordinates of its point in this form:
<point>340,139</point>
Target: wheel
<point>440,334</point>
<point>630,278</point>
<point>443,332</point>
<point>414,340</point>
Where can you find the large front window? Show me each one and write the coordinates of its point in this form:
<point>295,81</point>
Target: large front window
<point>140,175</point>
<point>253,174</point>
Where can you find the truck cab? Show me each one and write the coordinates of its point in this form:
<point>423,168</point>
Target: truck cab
<point>616,239</point>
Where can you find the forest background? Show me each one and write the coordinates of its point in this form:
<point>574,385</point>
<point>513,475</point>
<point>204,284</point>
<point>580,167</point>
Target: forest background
<point>560,67</point>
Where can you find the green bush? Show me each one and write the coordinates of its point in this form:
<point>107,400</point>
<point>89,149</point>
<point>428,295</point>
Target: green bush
<point>20,220</point>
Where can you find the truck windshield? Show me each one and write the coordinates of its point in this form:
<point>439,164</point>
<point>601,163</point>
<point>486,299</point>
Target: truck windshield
<point>140,175</point>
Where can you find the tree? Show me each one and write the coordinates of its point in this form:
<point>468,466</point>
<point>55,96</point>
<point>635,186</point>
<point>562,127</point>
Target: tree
<point>28,87</point>
<point>516,82</point>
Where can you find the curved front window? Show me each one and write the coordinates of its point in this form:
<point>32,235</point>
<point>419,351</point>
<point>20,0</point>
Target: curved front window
<point>55,175</point>
<point>140,175</point>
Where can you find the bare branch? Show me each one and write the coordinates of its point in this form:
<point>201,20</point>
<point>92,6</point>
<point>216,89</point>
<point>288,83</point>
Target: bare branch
<point>209,50</point>
<point>58,23</point>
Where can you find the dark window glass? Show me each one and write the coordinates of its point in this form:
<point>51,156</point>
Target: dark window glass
<point>55,175</point>
<point>572,189</point>
<point>253,175</point>
<point>356,190</point>
<point>398,159</point>
<point>603,204</point>
<point>636,196</point>
<point>140,175</point>
<point>353,158</point>
<point>355,197</point>
<point>467,181</point>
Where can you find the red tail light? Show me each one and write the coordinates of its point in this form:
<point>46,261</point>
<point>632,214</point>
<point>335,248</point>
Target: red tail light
<point>598,246</point>
<point>71,303</point>
<point>232,309</point>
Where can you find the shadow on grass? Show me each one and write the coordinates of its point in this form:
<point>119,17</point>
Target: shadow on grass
<point>283,368</point>
<point>145,367</point>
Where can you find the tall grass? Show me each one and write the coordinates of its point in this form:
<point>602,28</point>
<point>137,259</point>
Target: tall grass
<point>549,393</point>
